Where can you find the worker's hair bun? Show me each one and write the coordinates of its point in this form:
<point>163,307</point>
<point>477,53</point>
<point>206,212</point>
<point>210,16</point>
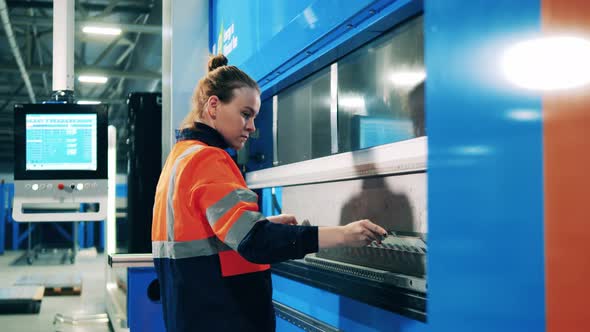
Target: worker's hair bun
<point>217,61</point>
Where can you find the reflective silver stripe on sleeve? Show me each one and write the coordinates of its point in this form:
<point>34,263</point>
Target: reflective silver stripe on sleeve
<point>188,249</point>
<point>217,210</point>
<point>241,227</point>
<point>171,187</point>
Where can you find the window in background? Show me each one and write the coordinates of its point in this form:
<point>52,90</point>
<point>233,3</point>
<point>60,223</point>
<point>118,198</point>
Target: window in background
<point>304,119</point>
<point>381,90</point>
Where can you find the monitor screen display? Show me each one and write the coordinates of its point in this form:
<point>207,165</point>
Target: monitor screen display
<point>376,131</point>
<point>61,142</point>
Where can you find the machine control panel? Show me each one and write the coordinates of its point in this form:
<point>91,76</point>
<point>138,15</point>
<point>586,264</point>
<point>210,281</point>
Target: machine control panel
<point>67,187</point>
<point>37,197</point>
<point>60,168</point>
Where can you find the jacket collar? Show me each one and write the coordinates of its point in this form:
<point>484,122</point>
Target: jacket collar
<point>204,133</point>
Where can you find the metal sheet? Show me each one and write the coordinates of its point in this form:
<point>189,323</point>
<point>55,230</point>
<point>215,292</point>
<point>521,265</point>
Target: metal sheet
<point>397,203</point>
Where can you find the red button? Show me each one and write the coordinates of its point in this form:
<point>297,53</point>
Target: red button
<point>60,186</point>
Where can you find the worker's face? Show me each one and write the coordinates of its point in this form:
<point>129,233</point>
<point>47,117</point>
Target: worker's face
<point>235,120</point>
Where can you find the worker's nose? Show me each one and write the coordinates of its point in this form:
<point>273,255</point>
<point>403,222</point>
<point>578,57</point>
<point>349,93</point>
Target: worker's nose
<point>250,126</point>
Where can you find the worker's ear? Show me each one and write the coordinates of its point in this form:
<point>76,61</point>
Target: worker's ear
<point>212,106</point>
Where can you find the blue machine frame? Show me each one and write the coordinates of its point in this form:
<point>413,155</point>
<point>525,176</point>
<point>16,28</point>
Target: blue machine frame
<point>319,33</point>
<point>483,162</point>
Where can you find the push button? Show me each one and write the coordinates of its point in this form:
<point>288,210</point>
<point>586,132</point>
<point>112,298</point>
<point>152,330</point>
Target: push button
<point>60,186</point>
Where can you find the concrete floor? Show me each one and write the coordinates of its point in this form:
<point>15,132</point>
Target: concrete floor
<point>91,301</point>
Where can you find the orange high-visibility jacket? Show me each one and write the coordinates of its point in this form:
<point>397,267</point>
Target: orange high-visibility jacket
<point>203,207</point>
<point>203,213</point>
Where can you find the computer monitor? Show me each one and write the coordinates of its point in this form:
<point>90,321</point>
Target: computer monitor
<point>60,162</point>
<point>369,131</point>
<point>60,141</point>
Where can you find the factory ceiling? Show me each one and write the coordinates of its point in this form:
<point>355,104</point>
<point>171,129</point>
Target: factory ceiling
<point>131,60</point>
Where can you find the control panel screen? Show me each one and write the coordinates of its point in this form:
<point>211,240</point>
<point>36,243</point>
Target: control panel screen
<point>376,131</point>
<point>61,142</point>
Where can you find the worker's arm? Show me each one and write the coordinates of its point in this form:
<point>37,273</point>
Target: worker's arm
<point>269,242</point>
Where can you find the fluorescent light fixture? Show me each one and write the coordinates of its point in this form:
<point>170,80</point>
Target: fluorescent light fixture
<point>101,30</point>
<point>92,79</point>
<point>352,102</point>
<point>88,102</point>
<point>407,78</point>
<point>548,63</point>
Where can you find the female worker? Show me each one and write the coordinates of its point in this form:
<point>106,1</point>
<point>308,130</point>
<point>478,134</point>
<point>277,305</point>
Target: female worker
<point>210,244</point>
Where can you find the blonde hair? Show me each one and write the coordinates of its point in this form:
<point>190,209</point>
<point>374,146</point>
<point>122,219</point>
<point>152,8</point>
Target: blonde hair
<point>220,81</point>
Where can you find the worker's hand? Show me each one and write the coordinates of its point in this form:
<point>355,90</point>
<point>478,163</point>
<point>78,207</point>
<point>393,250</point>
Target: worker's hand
<point>285,219</point>
<point>361,233</point>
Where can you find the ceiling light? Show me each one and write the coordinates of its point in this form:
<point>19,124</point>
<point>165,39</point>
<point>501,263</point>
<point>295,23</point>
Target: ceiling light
<point>352,102</point>
<point>407,78</point>
<point>101,30</point>
<point>88,102</point>
<point>548,63</point>
<point>93,79</point>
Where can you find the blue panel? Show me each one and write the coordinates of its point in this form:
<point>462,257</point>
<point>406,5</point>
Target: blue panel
<point>278,204</point>
<point>339,311</point>
<point>260,148</point>
<point>485,177</point>
<point>81,237</point>
<point>101,239</point>
<point>14,225</point>
<point>284,326</point>
<point>268,208</point>
<point>143,314</point>
<point>266,25</point>
<point>266,204</point>
<point>121,190</point>
<point>89,234</point>
<point>248,27</point>
<point>2,216</point>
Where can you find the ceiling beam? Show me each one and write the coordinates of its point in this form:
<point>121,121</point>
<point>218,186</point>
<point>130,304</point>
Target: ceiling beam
<point>137,8</point>
<point>47,21</point>
<point>89,70</point>
<point>23,99</point>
